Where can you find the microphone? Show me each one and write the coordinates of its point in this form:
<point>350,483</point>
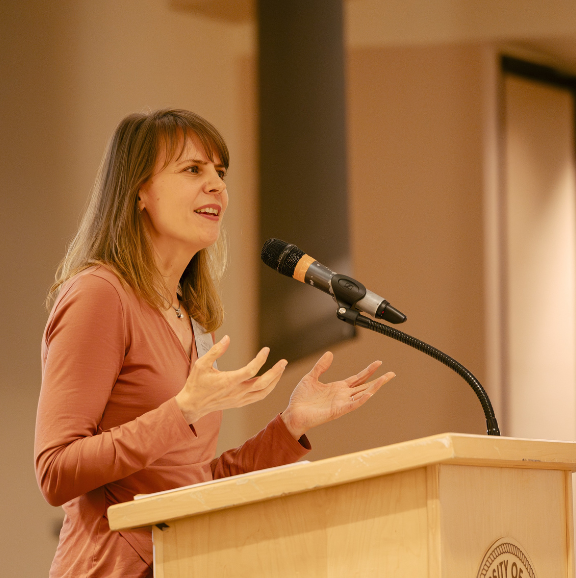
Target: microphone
<point>291,261</point>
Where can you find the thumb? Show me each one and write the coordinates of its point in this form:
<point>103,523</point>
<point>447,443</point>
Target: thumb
<point>216,351</point>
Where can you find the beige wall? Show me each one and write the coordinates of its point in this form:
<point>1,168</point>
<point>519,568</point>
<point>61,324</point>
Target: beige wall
<point>69,72</point>
<point>421,22</point>
<point>540,274</point>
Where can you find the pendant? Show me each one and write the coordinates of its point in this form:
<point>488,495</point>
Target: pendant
<point>178,312</point>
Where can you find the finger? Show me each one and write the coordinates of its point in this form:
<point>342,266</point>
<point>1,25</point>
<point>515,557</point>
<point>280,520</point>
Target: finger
<point>321,365</point>
<point>363,393</point>
<point>254,396</point>
<point>274,373</point>
<point>215,352</point>
<point>264,392</point>
<point>251,368</point>
<point>361,377</point>
<point>258,383</point>
<point>362,385</point>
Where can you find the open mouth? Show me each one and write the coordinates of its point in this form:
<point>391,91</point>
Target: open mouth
<point>208,211</point>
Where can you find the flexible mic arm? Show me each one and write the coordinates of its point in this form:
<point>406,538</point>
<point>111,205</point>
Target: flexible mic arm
<point>349,315</point>
<point>352,296</point>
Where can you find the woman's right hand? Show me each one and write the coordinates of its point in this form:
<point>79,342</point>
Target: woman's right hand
<point>207,389</point>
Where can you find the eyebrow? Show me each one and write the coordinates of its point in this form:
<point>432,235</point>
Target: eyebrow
<point>198,162</point>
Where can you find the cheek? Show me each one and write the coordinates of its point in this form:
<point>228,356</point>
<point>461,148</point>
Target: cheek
<point>165,216</point>
<point>156,211</point>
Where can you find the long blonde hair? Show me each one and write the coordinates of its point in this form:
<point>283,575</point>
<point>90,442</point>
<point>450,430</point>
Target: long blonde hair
<point>112,231</point>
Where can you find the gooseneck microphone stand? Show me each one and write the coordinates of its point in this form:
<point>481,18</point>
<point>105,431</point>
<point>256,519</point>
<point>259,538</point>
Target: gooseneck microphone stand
<point>352,297</point>
<point>347,314</point>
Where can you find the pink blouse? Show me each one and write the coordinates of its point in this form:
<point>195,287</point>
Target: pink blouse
<point>108,426</point>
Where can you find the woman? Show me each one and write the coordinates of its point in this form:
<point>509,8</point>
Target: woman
<point>131,398</point>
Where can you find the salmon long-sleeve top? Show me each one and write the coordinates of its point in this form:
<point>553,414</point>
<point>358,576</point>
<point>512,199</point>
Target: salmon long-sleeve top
<point>108,426</point>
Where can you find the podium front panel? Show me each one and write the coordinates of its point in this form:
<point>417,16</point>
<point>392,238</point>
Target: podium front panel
<point>480,505</point>
<point>378,527</point>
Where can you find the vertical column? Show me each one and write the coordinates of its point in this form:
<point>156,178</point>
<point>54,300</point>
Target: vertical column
<point>303,178</point>
<point>540,244</point>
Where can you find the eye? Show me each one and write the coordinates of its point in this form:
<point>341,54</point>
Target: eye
<point>222,174</point>
<point>192,169</point>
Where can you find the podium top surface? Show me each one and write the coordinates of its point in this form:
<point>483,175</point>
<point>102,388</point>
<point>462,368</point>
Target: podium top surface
<point>457,449</point>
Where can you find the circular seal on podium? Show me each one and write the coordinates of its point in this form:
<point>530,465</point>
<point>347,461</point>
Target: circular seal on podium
<point>506,558</point>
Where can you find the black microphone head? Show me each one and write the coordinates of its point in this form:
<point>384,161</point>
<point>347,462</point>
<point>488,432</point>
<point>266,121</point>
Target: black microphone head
<point>281,256</point>
<point>271,251</point>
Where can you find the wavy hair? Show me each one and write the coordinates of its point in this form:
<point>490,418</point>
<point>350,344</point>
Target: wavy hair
<point>112,231</point>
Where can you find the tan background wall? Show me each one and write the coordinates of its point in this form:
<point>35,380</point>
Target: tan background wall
<point>541,276</point>
<point>70,72</point>
<point>417,150</point>
<point>420,22</point>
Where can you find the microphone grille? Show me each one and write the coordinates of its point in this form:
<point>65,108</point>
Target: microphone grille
<point>281,256</point>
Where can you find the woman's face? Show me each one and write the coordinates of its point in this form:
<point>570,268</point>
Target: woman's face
<point>183,203</point>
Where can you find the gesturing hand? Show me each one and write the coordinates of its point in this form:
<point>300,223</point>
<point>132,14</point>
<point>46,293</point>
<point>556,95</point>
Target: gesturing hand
<point>313,403</point>
<point>207,389</point>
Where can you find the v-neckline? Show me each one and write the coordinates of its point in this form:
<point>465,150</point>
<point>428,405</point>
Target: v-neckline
<point>193,350</point>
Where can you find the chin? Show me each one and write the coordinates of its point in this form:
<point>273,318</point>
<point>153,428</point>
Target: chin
<point>205,242</point>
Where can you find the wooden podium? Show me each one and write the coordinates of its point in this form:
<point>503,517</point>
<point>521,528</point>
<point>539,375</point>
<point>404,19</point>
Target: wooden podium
<point>449,505</point>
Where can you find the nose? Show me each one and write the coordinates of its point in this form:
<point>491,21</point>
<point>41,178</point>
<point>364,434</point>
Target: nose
<point>214,183</point>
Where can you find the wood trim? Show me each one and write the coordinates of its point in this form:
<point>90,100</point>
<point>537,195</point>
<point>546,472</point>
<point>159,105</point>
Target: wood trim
<point>434,529</point>
<point>458,449</point>
<point>507,452</point>
<point>569,524</point>
<point>158,541</point>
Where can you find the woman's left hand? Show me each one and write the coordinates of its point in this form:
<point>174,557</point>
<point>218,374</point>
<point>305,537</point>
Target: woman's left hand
<point>313,403</point>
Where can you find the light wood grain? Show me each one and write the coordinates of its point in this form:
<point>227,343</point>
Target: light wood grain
<point>264,485</point>
<point>158,543</point>
<point>513,452</point>
<point>481,504</point>
<point>435,521</point>
<point>569,489</point>
<point>433,513</point>
<point>429,507</point>
<point>376,527</point>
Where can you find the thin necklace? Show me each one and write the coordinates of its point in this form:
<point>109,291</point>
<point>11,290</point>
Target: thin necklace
<point>178,310</point>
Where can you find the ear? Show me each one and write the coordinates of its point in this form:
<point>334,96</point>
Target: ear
<point>141,204</point>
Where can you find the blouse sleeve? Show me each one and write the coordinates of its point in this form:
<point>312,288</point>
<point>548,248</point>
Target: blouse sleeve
<point>273,446</point>
<point>85,343</point>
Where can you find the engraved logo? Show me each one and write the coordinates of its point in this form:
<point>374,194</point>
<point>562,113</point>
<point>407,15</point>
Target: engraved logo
<point>506,559</point>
